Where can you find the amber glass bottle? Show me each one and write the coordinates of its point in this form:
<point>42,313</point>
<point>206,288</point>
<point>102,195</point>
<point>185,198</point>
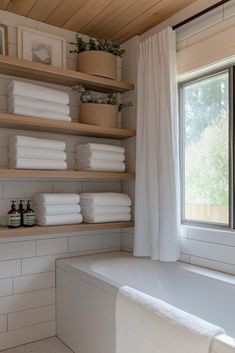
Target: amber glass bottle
<point>29,217</point>
<point>14,218</point>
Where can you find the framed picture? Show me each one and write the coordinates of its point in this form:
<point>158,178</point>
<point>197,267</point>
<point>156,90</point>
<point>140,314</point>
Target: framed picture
<point>3,40</point>
<point>41,47</point>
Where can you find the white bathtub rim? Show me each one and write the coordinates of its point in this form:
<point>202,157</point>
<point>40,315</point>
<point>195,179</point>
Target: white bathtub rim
<point>83,267</point>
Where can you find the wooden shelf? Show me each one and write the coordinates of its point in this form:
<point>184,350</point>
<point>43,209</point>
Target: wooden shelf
<point>20,122</point>
<point>62,174</point>
<point>37,230</point>
<point>46,73</point>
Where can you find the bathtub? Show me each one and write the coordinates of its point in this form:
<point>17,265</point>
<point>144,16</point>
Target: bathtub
<point>86,289</point>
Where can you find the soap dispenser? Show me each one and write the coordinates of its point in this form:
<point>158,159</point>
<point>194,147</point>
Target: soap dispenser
<point>29,218</point>
<point>21,211</point>
<point>14,217</point>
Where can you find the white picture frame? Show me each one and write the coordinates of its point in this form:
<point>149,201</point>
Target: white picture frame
<point>41,47</point>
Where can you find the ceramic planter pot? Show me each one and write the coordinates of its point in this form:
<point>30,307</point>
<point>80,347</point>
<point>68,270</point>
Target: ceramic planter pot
<point>105,115</point>
<point>98,63</point>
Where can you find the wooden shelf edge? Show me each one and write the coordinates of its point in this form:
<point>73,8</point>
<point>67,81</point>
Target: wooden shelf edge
<point>62,174</point>
<point>40,72</point>
<point>37,230</point>
<point>66,128</point>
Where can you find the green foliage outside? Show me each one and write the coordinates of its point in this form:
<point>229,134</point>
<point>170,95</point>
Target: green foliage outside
<point>206,141</point>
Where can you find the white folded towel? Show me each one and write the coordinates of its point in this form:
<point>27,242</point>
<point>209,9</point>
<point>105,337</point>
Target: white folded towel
<point>56,199</point>
<point>37,113</point>
<point>55,210</point>
<point>105,210</point>
<point>104,199</point>
<point>99,146</point>
<point>148,325</point>
<point>36,153</point>
<point>100,165</point>
<point>38,92</point>
<point>59,220</point>
<point>29,163</point>
<point>25,141</point>
<point>38,104</point>
<point>101,155</point>
<point>122,217</point>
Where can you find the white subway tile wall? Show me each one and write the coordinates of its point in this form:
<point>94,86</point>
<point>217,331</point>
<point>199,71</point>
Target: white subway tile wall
<point>27,265</point>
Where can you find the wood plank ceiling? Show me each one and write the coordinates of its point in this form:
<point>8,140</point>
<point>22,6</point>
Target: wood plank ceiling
<point>115,19</point>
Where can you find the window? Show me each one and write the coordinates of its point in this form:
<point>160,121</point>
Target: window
<point>205,152</point>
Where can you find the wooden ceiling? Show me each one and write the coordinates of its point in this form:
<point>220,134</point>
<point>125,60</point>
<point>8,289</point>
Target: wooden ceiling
<point>116,19</point>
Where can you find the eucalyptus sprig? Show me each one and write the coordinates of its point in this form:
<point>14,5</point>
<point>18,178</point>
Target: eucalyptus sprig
<point>106,45</point>
<point>86,96</point>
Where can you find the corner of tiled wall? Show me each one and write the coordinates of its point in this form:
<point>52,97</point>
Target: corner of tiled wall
<point>129,73</point>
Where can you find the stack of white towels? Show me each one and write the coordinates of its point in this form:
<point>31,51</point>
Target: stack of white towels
<point>34,153</point>
<point>37,101</point>
<point>100,158</point>
<point>57,209</point>
<point>105,207</point>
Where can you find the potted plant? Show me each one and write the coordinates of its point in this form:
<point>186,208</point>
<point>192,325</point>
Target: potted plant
<point>97,109</point>
<point>97,56</point>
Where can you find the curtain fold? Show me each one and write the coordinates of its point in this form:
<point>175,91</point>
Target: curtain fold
<point>157,167</point>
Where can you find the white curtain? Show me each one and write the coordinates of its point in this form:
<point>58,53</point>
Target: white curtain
<point>157,167</point>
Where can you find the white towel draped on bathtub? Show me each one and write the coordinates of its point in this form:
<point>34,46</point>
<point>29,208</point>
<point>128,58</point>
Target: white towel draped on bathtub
<point>99,165</point>
<point>36,153</point>
<point>59,220</point>
<point>38,92</point>
<point>38,104</point>
<point>37,113</point>
<point>148,325</point>
<point>100,146</point>
<point>104,199</point>
<point>29,163</point>
<point>26,141</point>
<point>56,199</point>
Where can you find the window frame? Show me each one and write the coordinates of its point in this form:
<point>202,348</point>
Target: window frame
<point>208,224</point>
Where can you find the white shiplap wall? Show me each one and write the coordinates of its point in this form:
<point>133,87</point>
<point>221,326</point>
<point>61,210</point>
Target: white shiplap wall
<point>213,249</point>
<point>27,265</point>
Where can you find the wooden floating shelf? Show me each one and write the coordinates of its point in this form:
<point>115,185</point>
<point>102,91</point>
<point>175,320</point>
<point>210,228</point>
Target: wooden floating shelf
<point>37,230</point>
<point>62,174</point>
<point>46,73</point>
<point>21,122</point>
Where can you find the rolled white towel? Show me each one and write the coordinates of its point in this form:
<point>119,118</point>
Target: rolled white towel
<point>59,220</point>
<point>38,104</point>
<point>55,210</point>
<point>100,165</point>
<point>56,199</point>
<point>100,146</point>
<point>38,92</point>
<point>36,153</point>
<point>37,113</point>
<point>26,141</point>
<point>107,218</point>
<point>105,210</point>
<point>104,199</point>
<point>28,163</point>
<point>101,155</point>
